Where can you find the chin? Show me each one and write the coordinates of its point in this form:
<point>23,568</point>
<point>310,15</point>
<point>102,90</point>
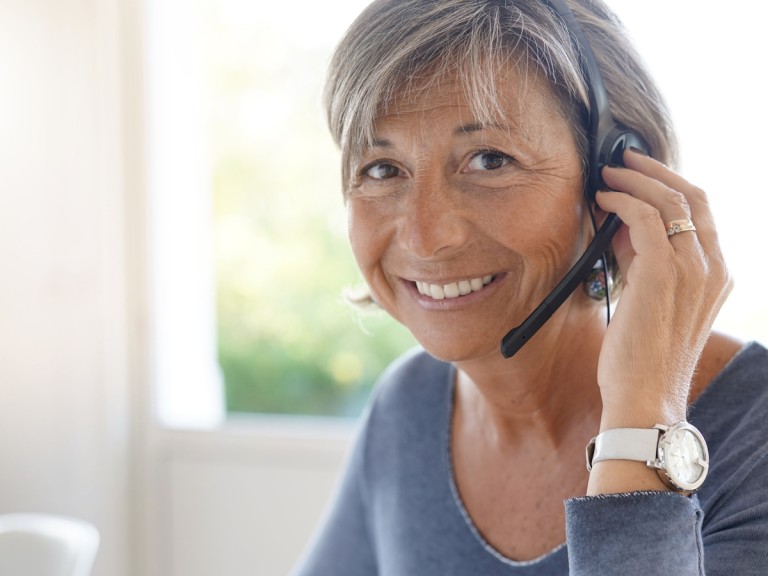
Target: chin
<point>458,350</point>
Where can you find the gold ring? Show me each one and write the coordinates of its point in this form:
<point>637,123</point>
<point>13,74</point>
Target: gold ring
<point>677,226</point>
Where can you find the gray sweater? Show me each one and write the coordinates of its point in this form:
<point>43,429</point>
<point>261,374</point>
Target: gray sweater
<point>397,512</point>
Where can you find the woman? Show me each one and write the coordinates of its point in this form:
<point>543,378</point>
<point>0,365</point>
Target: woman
<point>465,138</point>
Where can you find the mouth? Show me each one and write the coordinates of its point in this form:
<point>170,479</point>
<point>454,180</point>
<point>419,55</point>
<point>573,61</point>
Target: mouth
<point>454,289</point>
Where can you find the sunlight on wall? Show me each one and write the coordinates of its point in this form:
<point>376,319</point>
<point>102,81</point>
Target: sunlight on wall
<point>190,387</point>
<point>708,60</point>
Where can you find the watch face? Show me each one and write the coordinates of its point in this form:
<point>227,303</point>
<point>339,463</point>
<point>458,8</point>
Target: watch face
<point>685,456</point>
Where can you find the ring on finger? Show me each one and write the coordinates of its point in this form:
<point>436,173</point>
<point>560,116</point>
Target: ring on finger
<point>677,226</point>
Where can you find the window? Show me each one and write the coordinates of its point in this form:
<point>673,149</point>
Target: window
<point>287,342</point>
<point>246,190</point>
<point>249,239</point>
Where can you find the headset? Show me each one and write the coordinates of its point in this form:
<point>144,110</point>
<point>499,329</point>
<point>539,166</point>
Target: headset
<point>607,142</point>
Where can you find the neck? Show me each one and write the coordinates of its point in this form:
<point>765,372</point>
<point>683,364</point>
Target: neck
<point>547,390</point>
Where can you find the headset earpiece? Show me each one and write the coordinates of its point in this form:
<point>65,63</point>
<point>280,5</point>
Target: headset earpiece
<point>607,143</point>
<point>610,152</point>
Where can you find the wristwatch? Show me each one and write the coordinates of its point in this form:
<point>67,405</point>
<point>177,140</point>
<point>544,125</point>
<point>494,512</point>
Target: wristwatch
<point>679,452</point>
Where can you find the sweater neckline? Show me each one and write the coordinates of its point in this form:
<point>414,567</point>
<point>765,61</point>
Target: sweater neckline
<point>450,472</point>
<point>459,503</point>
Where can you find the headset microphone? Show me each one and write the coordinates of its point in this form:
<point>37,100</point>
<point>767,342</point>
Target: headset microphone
<point>607,142</point>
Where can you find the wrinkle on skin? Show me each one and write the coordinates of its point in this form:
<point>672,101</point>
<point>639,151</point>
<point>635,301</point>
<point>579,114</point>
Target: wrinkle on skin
<point>440,222</point>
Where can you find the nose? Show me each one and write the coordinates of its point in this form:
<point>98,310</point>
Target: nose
<point>433,220</point>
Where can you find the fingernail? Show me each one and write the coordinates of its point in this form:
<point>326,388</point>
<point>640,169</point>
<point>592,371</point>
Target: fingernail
<point>638,151</point>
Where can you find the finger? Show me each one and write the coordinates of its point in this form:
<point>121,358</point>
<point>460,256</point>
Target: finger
<point>672,206</point>
<point>717,277</point>
<point>670,203</point>
<point>646,232</point>
<point>696,198</point>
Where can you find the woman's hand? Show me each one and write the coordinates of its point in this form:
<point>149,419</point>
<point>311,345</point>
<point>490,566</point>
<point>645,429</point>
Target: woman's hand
<point>673,289</point>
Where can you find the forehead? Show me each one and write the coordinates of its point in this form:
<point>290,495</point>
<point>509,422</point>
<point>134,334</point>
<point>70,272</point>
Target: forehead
<point>517,99</point>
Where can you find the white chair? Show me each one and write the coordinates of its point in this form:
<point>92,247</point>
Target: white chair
<point>46,545</point>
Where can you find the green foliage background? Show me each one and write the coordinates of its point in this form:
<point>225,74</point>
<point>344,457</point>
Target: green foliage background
<point>288,343</point>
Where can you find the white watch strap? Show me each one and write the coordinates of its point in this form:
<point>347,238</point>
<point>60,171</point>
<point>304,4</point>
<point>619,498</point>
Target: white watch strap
<point>627,444</point>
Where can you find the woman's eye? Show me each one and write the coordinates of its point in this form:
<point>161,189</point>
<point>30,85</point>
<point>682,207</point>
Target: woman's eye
<point>382,171</point>
<point>489,161</point>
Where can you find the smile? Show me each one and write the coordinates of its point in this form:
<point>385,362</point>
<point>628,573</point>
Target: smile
<point>453,290</point>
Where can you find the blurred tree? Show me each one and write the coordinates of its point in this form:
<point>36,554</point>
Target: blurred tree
<point>288,343</point>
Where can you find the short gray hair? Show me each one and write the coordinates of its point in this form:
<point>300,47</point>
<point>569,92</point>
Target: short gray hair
<point>396,48</point>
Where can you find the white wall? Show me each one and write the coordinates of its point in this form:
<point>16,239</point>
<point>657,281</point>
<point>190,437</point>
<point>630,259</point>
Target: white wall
<point>64,422</point>
<point>244,502</point>
<point>77,432</point>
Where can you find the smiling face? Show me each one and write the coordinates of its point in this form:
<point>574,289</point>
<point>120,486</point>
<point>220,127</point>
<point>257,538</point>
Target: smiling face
<point>461,228</point>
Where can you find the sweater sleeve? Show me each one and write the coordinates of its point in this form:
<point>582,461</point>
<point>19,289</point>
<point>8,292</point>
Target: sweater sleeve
<point>652,533</point>
<point>342,545</point>
<point>735,529</point>
<point>639,533</point>
<point>722,530</point>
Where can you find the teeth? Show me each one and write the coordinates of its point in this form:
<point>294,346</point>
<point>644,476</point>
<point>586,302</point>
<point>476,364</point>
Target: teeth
<point>436,291</point>
<point>453,290</point>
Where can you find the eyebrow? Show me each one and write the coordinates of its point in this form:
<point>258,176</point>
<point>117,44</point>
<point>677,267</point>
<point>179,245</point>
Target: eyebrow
<point>466,129</point>
<point>463,130</point>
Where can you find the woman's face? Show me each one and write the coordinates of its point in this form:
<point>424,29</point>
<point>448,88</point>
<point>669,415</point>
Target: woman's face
<point>459,228</point>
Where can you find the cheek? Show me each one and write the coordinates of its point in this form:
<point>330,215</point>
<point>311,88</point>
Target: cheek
<point>540,223</point>
<point>562,236</point>
<point>547,236</point>
<point>369,236</point>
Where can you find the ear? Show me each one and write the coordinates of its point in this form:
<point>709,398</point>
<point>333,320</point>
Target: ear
<point>599,214</point>
<point>594,218</point>
<point>620,241</point>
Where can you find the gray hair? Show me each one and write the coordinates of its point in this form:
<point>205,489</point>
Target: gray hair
<point>397,48</point>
